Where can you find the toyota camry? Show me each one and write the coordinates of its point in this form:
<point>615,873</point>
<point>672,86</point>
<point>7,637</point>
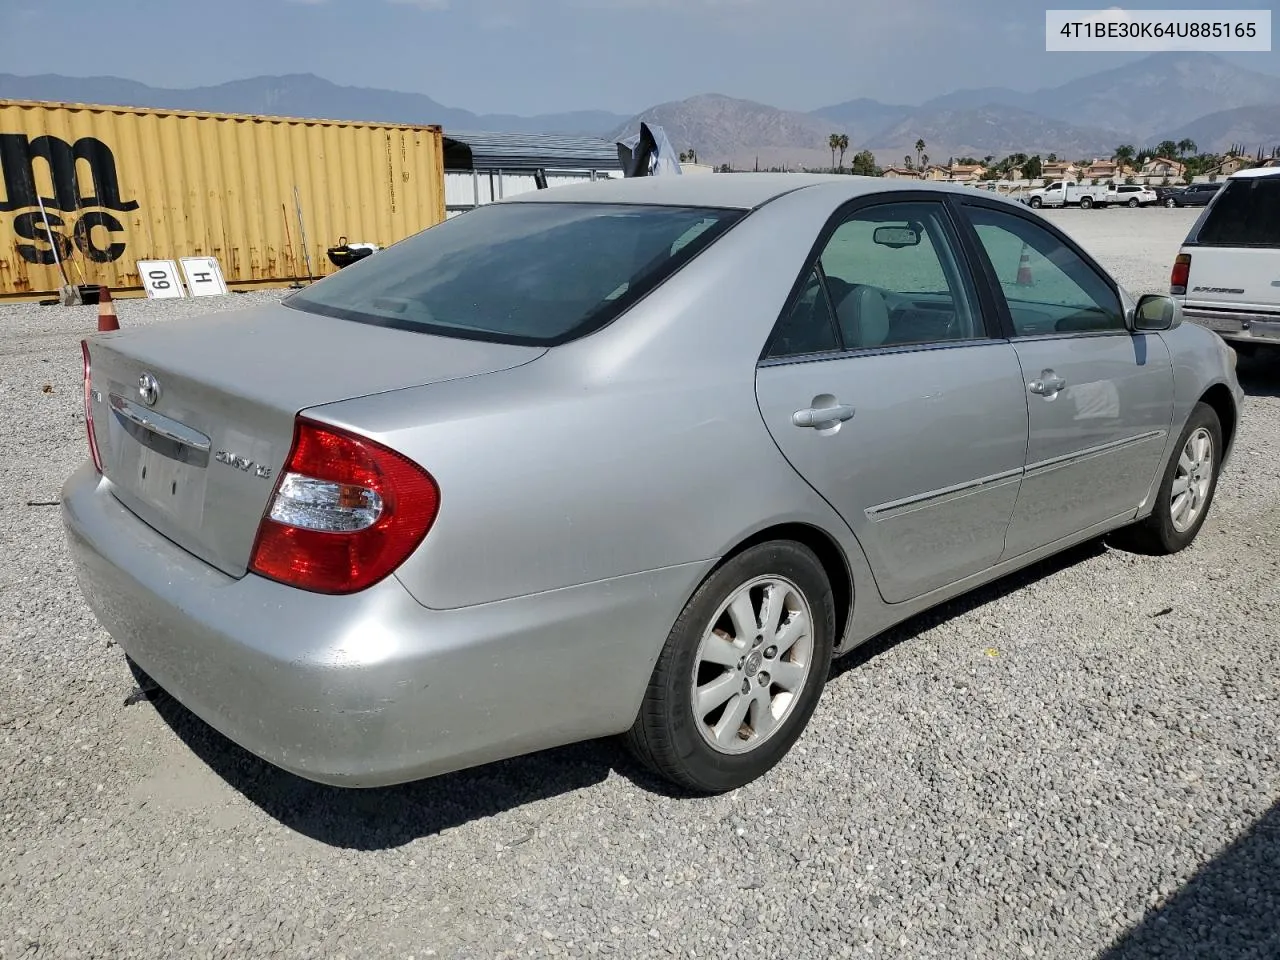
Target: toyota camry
<point>631,458</point>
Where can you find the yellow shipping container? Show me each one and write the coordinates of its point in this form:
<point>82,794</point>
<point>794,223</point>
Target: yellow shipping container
<point>267,196</point>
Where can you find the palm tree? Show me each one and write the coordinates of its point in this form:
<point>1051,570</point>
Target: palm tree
<point>924,162</point>
<point>1186,145</point>
<point>1167,149</point>
<point>919,151</point>
<point>844,145</point>
<point>833,142</point>
<point>1123,154</point>
<point>906,162</point>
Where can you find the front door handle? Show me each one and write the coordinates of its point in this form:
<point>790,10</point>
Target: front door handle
<point>1048,384</point>
<point>819,418</point>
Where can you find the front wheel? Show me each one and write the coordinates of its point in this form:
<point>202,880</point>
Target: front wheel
<point>1086,202</point>
<point>1035,202</point>
<point>741,672</point>
<point>1133,202</point>
<point>1186,490</point>
<point>1170,202</point>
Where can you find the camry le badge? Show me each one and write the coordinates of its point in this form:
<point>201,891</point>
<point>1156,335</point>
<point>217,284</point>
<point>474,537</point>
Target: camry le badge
<point>148,389</point>
<point>242,463</point>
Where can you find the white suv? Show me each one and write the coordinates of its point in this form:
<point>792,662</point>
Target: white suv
<point>1135,195</point>
<point>1227,274</point>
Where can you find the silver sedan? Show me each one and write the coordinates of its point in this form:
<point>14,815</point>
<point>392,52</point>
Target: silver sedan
<point>637,458</point>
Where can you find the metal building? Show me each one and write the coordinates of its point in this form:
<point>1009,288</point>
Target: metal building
<point>482,167</point>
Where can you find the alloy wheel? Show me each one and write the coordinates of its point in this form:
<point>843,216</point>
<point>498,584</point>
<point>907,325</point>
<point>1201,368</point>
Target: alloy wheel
<point>1191,480</point>
<point>752,664</point>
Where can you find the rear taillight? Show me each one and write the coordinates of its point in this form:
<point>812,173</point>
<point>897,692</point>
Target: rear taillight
<point>1181,272</point>
<point>346,512</point>
<point>88,409</point>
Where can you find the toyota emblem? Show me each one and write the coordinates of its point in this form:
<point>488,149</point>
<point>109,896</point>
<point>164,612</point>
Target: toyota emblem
<point>148,389</point>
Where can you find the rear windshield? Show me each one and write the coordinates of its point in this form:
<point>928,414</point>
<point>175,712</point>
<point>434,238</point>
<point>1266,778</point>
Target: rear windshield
<point>532,273</point>
<point>1246,214</point>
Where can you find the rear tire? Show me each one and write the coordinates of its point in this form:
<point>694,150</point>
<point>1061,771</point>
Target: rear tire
<point>730,693</point>
<point>1192,472</point>
<point>1133,202</point>
<point>1086,203</point>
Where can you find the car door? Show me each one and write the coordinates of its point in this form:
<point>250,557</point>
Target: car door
<point>1100,397</point>
<point>887,390</point>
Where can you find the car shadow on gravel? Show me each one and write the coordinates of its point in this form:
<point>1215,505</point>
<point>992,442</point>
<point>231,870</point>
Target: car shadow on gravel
<point>1260,375</point>
<point>1230,910</point>
<point>388,817</point>
<point>967,603</point>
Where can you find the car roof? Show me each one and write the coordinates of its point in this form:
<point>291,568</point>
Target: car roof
<point>741,191</point>
<point>1254,172</point>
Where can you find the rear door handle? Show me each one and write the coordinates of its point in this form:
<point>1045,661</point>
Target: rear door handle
<point>819,418</point>
<point>1048,384</point>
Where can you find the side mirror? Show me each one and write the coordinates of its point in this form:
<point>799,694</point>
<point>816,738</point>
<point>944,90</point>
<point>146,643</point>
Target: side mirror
<point>1156,312</point>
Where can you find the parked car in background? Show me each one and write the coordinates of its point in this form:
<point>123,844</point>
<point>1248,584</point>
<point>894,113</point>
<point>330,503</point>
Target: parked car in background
<point>1196,194</point>
<point>1165,194</point>
<point>1135,195</point>
<point>1068,193</point>
<point>1227,272</point>
<point>636,457</point>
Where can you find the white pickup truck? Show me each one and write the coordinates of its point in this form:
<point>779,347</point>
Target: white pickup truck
<point>1068,193</point>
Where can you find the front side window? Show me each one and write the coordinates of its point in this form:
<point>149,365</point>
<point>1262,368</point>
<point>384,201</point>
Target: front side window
<point>1048,287</point>
<point>1246,215</point>
<point>534,273</point>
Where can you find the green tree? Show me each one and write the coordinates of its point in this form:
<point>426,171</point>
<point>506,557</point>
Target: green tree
<point>1186,145</point>
<point>833,142</point>
<point>1167,149</point>
<point>864,164</point>
<point>1123,154</point>
<point>1032,169</point>
<point>844,145</point>
<point>919,152</point>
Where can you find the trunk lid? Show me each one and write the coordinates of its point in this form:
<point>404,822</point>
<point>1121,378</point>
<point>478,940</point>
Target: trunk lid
<point>199,462</point>
<point>1246,278</point>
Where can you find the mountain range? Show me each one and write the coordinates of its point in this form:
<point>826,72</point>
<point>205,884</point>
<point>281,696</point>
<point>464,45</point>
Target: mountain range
<point>1163,96</point>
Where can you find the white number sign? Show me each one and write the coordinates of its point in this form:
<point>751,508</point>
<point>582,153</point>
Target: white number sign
<point>204,276</point>
<point>160,279</point>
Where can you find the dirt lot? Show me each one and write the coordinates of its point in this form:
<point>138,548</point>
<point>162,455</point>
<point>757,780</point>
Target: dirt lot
<point>1079,761</point>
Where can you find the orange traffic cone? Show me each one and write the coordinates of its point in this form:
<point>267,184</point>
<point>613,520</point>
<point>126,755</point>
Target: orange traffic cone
<point>1024,269</point>
<point>107,319</point>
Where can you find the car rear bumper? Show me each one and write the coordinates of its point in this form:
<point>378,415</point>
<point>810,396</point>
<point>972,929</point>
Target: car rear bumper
<point>373,688</point>
<point>1236,325</point>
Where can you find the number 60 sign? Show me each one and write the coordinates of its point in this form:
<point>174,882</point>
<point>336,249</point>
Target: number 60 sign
<point>160,279</point>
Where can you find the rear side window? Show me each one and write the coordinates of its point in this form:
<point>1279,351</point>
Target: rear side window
<point>530,273</point>
<point>1247,214</point>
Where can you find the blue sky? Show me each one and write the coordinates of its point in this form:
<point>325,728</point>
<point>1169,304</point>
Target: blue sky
<point>538,56</point>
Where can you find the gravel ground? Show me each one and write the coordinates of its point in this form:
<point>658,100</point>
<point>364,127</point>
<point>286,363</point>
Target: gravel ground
<point>1079,761</point>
